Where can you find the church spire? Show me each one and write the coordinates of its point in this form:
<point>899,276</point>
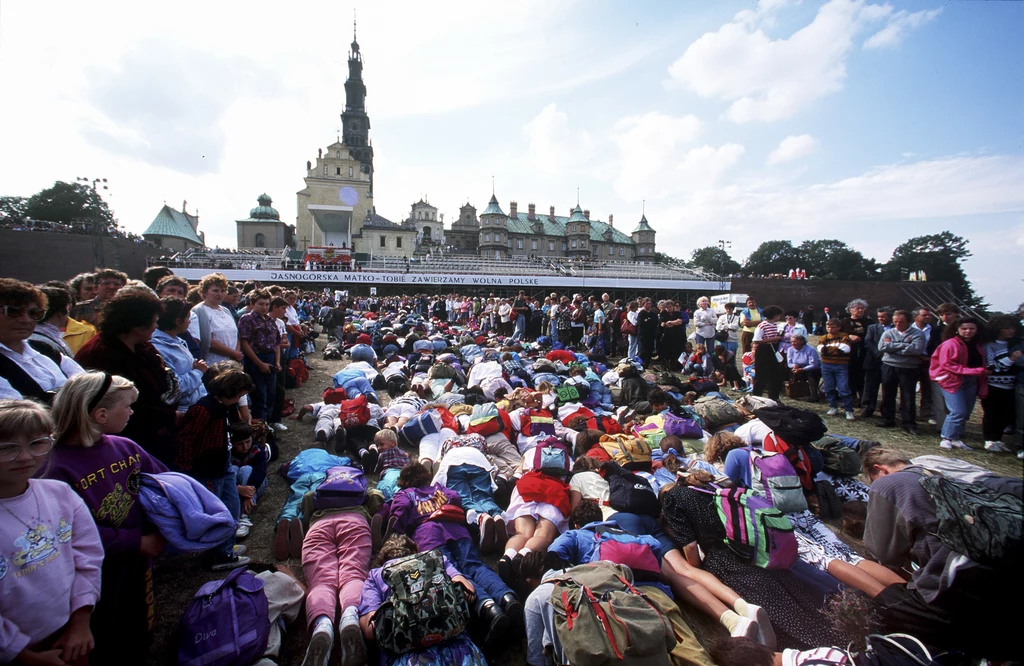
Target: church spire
<point>355,122</point>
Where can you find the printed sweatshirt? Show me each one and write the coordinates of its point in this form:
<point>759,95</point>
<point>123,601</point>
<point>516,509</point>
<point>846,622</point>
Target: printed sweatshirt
<point>834,349</point>
<point>50,559</point>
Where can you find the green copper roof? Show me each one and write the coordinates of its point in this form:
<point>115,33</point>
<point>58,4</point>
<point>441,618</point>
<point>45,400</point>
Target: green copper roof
<point>264,211</point>
<point>643,226</point>
<point>522,224</point>
<point>577,215</point>
<point>492,207</point>
<point>169,222</point>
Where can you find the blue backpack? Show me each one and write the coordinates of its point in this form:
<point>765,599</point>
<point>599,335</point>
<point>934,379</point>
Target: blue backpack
<point>551,457</point>
<point>227,623</point>
<point>343,487</point>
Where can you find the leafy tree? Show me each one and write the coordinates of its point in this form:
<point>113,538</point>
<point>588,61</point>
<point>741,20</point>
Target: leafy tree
<point>835,260</point>
<point>939,256</point>
<point>12,209</point>
<point>70,202</point>
<point>714,259</point>
<point>772,257</point>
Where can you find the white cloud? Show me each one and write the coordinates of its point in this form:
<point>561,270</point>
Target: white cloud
<point>899,25</point>
<point>553,144</point>
<point>767,79</point>
<point>793,147</point>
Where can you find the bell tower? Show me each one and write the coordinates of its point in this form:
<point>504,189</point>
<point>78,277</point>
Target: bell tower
<point>355,122</point>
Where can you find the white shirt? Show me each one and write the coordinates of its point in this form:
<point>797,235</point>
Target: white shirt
<point>292,316</point>
<point>752,432</point>
<point>41,369</point>
<point>731,323</point>
<point>222,329</point>
<point>593,486</point>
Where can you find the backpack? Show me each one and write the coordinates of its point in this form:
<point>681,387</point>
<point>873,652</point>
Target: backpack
<point>354,412</point>
<point>621,547</point>
<point>568,393</point>
<point>772,477</point>
<point>552,457</point>
<point>421,425</point>
<point>799,427</point>
<point>425,607</point>
<point>975,520</point>
<point>756,531</point>
<point>894,650</point>
<point>682,428</point>
<point>839,458</point>
<point>298,373</point>
<point>334,395</point>
<point>489,421</point>
<point>629,452</point>
<point>535,422</point>
<point>630,492</point>
<point>343,487</point>
<point>227,623</point>
<point>717,412</point>
<point>601,618</point>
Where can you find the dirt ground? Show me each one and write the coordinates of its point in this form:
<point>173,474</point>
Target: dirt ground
<point>177,577</point>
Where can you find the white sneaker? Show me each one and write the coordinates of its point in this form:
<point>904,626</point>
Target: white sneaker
<point>244,520</point>
<point>240,549</point>
<point>957,444</point>
<point>832,412</point>
<point>746,628</point>
<point>997,447</point>
<point>766,636</point>
<point>932,422</point>
<point>280,427</point>
<point>850,416</point>
<point>1020,455</point>
<point>945,444</point>
<point>242,530</point>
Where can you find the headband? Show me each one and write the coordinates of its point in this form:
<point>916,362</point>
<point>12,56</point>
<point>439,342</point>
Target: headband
<point>107,378</point>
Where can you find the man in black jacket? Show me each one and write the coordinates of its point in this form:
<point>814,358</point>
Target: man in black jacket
<point>872,363</point>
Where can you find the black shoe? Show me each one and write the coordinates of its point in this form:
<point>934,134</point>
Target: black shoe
<point>505,571</point>
<point>911,430</point>
<point>866,413</point>
<point>885,424</point>
<point>495,625</point>
<point>513,608</point>
<point>368,459</point>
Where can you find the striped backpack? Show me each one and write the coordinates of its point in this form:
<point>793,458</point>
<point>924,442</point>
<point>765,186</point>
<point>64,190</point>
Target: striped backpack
<point>755,530</point>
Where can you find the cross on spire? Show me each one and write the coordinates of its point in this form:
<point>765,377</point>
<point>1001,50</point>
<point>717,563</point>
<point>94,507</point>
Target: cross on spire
<point>353,24</point>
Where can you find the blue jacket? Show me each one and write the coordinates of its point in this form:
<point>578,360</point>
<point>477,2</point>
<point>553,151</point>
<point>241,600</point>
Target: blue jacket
<point>189,516</point>
<point>177,356</point>
<point>578,546</point>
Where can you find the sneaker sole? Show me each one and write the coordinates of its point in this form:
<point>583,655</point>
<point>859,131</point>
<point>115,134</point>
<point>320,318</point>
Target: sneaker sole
<point>319,651</point>
<point>281,540</point>
<point>353,649</point>
<point>487,537</point>
<point>764,624</point>
<point>295,536</point>
<point>237,563</point>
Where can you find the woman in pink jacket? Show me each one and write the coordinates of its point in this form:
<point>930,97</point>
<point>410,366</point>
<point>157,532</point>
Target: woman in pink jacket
<point>958,366</point>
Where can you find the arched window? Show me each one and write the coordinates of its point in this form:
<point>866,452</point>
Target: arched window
<point>260,240</point>
<point>350,172</point>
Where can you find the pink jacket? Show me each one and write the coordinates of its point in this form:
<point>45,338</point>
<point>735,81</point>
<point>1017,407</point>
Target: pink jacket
<point>949,366</point>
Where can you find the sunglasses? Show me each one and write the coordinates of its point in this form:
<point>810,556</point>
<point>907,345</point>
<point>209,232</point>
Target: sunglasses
<point>9,451</point>
<point>15,312</point>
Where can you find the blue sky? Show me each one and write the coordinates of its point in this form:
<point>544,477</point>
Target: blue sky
<point>866,121</point>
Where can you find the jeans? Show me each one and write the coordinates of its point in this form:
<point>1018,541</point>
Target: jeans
<point>633,346</point>
<point>552,331</point>
<point>261,397</point>
<point>242,475</point>
<point>960,406</point>
<point>904,380</point>
<point>520,328</point>
<point>473,484</point>
<point>728,344</point>
<point>835,384</point>
<point>225,488</point>
<point>464,555</point>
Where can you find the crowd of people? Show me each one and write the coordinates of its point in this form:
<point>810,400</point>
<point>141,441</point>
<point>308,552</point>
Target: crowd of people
<point>112,230</point>
<point>616,466</point>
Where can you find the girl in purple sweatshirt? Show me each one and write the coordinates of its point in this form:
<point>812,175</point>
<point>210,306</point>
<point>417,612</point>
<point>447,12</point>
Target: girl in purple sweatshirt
<point>50,552</point>
<point>105,471</point>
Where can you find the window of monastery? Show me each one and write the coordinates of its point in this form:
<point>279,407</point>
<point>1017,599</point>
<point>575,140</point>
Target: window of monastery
<point>622,251</point>
<point>574,245</point>
<point>487,238</point>
<point>551,246</point>
<point>350,172</point>
<point>563,247</point>
<point>383,241</point>
<point>325,169</point>
<point>611,251</point>
<point>398,242</point>
<point>337,171</point>
<point>533,244</point>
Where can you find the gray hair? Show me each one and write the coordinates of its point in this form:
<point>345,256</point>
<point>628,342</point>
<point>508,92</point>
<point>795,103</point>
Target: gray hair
<point>917,312</point>
<point>798,337</point>
<point>857,301</point>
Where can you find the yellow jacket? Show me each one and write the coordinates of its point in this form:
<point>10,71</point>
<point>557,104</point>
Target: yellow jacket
<point>77,333</point>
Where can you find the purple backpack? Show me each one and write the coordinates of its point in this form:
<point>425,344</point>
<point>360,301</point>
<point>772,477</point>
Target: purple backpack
<point>681,427</point>
<point>773,477</point>
<point>227,623</point>
<point>756,531</point>
<point>551,457</point>
<point>343,487</point>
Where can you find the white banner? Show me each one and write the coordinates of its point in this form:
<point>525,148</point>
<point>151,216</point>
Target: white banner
<point>417,279</point>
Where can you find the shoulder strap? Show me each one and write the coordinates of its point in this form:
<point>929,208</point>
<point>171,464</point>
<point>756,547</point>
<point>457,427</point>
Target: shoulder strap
<point>20,380</point>
<point>46,349</point>
<point>204,330</point>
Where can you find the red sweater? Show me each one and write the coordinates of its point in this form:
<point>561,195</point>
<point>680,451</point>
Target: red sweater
<point>539,487</point>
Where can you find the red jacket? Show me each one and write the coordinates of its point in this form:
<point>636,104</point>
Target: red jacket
<point>539,487</point>
<point>949,366</point>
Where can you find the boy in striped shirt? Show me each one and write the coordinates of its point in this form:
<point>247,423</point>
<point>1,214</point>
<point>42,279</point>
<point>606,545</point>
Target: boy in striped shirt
<point>834,349</point>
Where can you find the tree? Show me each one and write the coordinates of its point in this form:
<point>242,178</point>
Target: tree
<point>68,203</point>
<point>939,256</point>
<point>835,260</point>
<point>12,209</point>
<point>772,257</point>
<point>714,259</point>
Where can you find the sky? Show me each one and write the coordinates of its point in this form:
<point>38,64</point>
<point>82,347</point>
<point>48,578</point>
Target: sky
<point>866,121</point>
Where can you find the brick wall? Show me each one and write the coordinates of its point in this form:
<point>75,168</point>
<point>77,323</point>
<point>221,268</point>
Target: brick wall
<point>796,294</point>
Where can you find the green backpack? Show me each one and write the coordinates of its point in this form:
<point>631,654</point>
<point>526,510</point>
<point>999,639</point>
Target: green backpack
<point>567,393</point>
<point>425,607</point>
<point>839,458</point>
<point>601,618</point>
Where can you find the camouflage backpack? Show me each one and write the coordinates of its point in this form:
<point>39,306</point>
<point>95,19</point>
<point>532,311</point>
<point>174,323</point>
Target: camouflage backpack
<point>425,607</point>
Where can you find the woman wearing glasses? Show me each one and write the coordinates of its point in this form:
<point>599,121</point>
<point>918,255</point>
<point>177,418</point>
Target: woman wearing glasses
<point>24,372</point>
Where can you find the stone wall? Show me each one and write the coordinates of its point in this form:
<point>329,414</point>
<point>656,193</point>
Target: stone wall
<point>37,257</point>
<point>796,294</point>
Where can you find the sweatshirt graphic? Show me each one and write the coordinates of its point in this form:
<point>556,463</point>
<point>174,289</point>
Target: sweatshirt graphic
<point>834,349</point>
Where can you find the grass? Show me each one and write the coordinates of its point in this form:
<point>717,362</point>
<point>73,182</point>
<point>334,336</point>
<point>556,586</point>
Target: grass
<point>177,577</point>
